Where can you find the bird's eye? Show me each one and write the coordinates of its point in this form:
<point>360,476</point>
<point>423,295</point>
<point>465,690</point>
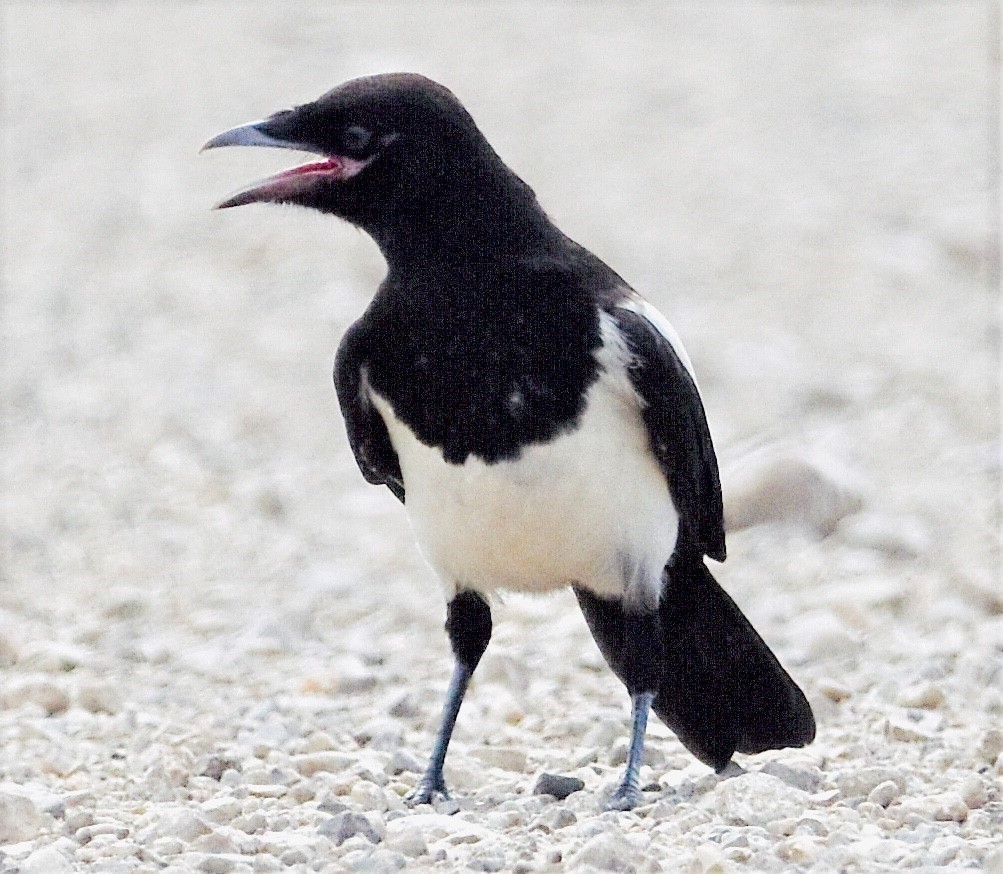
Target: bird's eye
<point>356,138</point>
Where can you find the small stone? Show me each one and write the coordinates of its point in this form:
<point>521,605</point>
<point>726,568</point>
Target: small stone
<point>811,825</point>
<point>265,864</point>
<point>221,810</point>
<point>486,861</point>
<point>42,693</point>
<point>757,799</point>
<point>805,777</point>
<point>230,777</point>
<point>607,851</point>
<point>834,690</point>
<point>318,742</point>
<point>99,696</point>
<point>406,707</point>
<point>297,856</point>
<point>46,860</point>
<point>991,745</point>
<point>862,781</point>
<point>78,820</point>
<point>217,765</point>
<point>949,807</point>
<point>332,806</point>
<point>506,758</point>
<point>905,730</point>
<point>217,865</point>
<point>925,695</point>
<point>20,820</point>
<point>402,761</point>
<point>973,792</point>
<point>557,785</point>
<point>302,792</point>
<point>798,850</point>
<point>368,796</point>
<point>779,485</point>
<point>181,823</point>
<point>216,843</point>
<point>405,838</point>
<point>101,829</point>
<point>884,793</point>
<point>309,764</point>
<point>383,861</point>
<point>167,846</point>
<point>555,818</point>
<point>341,827</point>
<point>252,823</point>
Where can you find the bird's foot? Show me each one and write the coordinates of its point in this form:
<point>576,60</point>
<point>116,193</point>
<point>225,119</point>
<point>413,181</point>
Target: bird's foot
<point>626,797</point>
<point>428,789</point>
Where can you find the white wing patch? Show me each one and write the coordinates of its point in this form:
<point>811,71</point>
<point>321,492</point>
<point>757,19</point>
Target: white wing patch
<point>637,304</point>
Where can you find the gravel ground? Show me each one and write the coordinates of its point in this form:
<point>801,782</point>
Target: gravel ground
<point>220,649</point>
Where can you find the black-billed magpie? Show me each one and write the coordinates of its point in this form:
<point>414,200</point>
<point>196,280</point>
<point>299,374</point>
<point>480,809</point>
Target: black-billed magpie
<point>539,419</point>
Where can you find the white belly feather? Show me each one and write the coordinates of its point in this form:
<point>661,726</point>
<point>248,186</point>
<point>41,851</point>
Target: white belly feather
<point>589,508</point>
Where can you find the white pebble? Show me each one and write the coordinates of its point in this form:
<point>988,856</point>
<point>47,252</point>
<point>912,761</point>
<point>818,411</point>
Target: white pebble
<point>925,695</point>
<point>98,696</point>
<point>221,810</point>
<point>780,485</point>
<point>757,799</point>
<point>991,745</point>
<point>949,807</point>
<point>805,777</point>
<point>834,690</point>
<point>973,792</point>
<point>799,850</point>
<point>215,842</point>
<point>46,860</point>
<point>884,793</point>
<point>403,837</point>
<point>861,781</point>
<point>309,764</point>
<point>368,796</point>
<point>20,820</point>
<point>180,823</point>
<point>607,851</point>
<point>42,693</point>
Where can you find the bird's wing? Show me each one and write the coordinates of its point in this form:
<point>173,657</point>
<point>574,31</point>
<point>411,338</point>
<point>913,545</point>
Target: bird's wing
<point>367,433</point>
<point>673,414</point>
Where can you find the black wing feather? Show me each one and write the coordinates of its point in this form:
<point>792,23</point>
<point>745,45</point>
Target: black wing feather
<point>367,433</point>
<point>718,686</point>
<point>678,434</point>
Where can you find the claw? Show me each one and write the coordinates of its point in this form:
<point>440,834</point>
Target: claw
<point>426,790</point>
<point>626,797</point>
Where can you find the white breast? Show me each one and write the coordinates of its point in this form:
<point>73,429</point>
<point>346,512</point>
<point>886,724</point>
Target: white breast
<point>590,508</point>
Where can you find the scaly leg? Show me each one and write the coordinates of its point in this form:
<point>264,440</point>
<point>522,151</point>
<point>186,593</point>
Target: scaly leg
<point>468,624</point>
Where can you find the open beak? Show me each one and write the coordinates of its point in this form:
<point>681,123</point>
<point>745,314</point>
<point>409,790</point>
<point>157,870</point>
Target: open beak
<point>289,186</point>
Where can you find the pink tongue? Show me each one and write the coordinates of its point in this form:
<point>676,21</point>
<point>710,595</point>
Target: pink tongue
<point>330,165</point>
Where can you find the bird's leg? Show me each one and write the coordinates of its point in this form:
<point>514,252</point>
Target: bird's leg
<point>468,624</point>
<point>642,663</point>
<point>628,795</point>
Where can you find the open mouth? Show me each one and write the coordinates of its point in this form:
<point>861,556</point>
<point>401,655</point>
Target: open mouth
<point>293,184</point>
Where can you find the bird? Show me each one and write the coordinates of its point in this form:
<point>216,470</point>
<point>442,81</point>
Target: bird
<point>539,420</point>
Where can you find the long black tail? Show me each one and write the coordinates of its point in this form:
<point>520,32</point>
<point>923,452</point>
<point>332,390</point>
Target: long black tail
<point>721,689</point>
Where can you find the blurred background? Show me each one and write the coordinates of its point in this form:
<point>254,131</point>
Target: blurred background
<point>808,191</point>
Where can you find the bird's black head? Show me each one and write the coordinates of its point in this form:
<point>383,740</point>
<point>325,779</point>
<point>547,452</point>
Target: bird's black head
<point>401,156</point>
